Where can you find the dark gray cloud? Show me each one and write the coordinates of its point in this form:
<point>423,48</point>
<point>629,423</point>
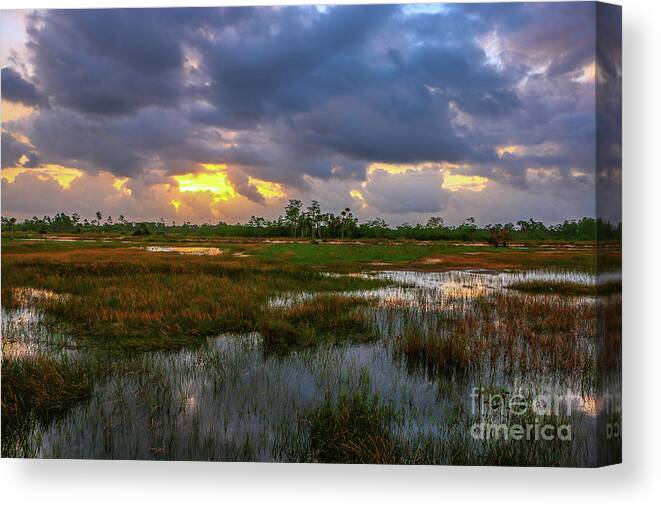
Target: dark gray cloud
<point>17,89</point>
<point>13,150</point>
<point>280,93</point>
<point>114,61</point>
<point>124,145</point>
<point>412,192</point>
<point>609,112</point>
<point>274,62</point>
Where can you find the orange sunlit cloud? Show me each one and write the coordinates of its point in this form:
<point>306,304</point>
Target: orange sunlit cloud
<point>588,73</point>
<point>512,149</point>
<point>358,195</point>
<point>451,181</point>
<point>268,189</point>
<point>63,175</point>
<point>404,168</point>
<point>120,184</point>
<point>214,180</point>
<point>457,182</point>
<point>11,111</point>
<point>519,150</point>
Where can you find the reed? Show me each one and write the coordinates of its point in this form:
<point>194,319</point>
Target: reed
<point>34,390</point>
<point>353,429</point>
<point>327,317</point>
<point>567,288</point>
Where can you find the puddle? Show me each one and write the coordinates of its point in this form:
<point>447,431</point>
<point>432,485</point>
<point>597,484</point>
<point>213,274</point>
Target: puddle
<point>186,250</point>
<point>439,289</point>
<point>24,333</point>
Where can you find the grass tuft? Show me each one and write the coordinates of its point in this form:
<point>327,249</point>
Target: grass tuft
<point>353,429</point>
<point>437,352</point>
<point>326,317</point>
<point>37,389</point>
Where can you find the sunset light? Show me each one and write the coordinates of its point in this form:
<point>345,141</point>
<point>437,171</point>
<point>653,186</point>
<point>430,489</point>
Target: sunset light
<point>214,180</point>
<point>379,234</point>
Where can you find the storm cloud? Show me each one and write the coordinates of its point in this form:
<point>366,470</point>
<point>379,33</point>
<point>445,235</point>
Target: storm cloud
<point>294,95</point>
<point>17,89</point>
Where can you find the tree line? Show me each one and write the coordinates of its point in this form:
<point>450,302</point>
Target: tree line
<point>313,223</point>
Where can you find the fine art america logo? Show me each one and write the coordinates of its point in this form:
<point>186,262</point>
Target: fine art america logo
<point>505,416</point>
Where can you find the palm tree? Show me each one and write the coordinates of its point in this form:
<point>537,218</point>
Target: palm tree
<point>346,222</point>
<point>314,216</point>
<point>293,213</point>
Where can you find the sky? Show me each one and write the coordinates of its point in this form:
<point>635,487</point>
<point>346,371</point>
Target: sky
<point>396,111</point>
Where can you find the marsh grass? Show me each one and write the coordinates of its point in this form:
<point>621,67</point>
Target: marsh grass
<point>35,390</point>
<point>355,428</point>
<point>567,288</point>
<point>526,452</point>
<point>445,255</point>
<point>504,331</point>
<point>176,393</point>
<point>445,350</point>
<point>326,317</point>
<point>137,300</point>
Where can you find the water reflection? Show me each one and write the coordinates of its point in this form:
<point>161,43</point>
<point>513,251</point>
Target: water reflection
<point>431,289</point>
<point>230,400</point>
<point>25,333</point>
<point>186,250</point>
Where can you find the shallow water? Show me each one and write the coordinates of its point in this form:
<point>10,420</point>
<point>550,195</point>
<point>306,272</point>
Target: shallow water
<point>427,289</point>
<point>24,333</point>
<point>232,400</point>
<point>186,250</point>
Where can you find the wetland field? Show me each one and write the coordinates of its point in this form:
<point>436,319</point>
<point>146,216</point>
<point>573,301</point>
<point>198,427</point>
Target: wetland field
<point>392,352</point>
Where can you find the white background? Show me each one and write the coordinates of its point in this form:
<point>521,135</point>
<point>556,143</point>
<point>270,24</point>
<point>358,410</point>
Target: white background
<point>637,481</point>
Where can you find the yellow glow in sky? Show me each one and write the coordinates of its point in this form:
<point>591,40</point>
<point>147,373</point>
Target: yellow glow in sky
<point>11,111</point>
<point>513,149</point>
<point>268,189</point>
<point>63,175</point>
<point>403,168</point>
<point>176,203</point>
<point>357,194</point>
<point>520,150</point>
<point>456,182</point>
<point>214,180</point>
<point>588,74</point>
<point>390,168</point>
<point>120,184</point>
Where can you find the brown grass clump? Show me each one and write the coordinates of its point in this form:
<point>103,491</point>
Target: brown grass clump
<point>449,351</point>
<point>37,388</point>
<point>326,317</point>
<point>511,332</point>
<point>353,429</point>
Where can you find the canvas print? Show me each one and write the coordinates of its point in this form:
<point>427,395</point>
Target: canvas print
<point>377,234</point>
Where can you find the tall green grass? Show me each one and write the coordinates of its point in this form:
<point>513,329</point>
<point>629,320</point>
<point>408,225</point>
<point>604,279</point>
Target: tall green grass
<point>326,317</point>
<point>34,390</point>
